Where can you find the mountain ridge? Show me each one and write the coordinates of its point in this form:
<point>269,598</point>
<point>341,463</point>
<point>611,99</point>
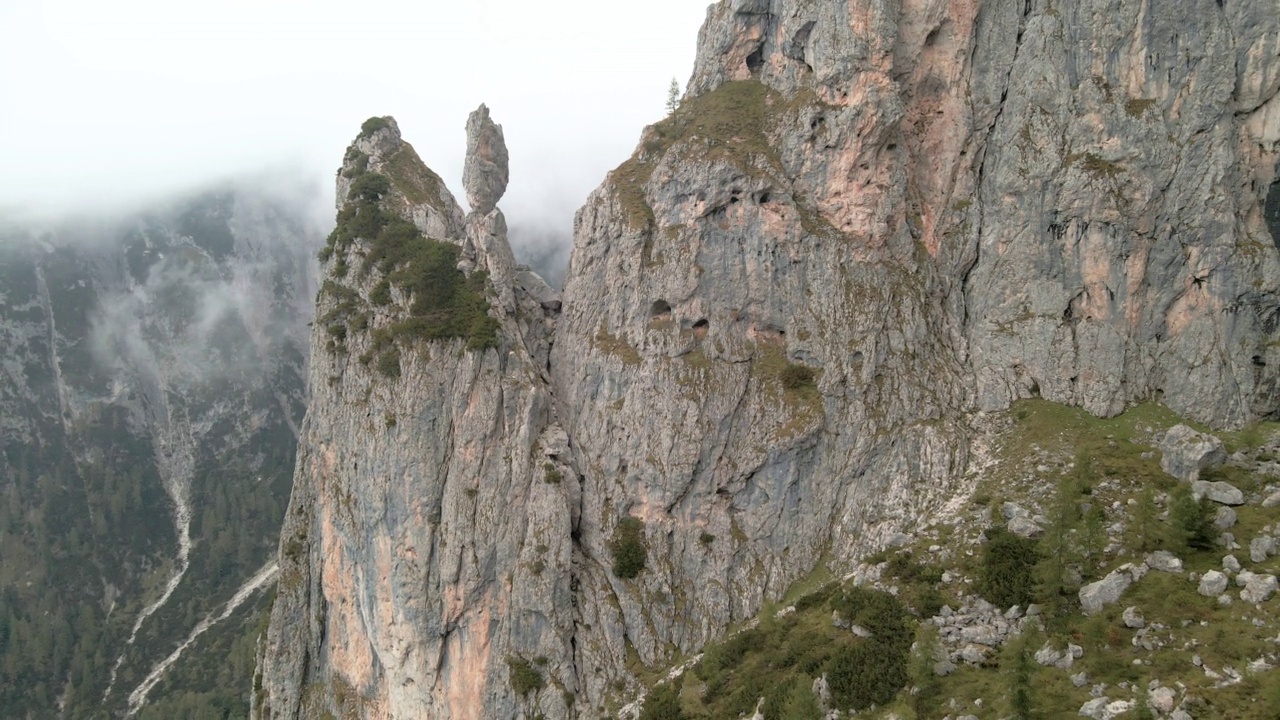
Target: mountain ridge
<point>865,223</point>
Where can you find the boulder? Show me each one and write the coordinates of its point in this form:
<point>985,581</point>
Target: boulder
<point>1133,618</point>
<point>1225,518</point>
<point>1262,547</point>
<point>1272,500</point>
<point>1024,527</point>
<point>1049,657</point>
<point>1162,699</point>
<point>1184,453</point>
<point>1258,588</point>
<point>1219,492</point>
<point>1108,590</point>
<point>1212,584</point>
<point>1164,561</point>
<point>1230,564</point>
<point>1096,709</point>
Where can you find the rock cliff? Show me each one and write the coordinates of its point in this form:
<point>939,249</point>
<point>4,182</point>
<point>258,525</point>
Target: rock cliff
<point>865,221</point>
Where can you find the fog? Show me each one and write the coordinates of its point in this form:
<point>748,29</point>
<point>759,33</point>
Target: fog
<point>117,105</point>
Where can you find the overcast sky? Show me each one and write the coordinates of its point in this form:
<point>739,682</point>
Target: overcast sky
<point>106,103</point>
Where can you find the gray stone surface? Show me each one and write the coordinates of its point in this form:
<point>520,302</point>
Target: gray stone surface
<point>1164,561</point>
<point>1219,492</point>
<point>1133,619</point>
<point>1096,595</point>
<point>1224,518</point>
<point>1257,588</point>
<point>1184,453</point>
<point>485,174</point>
<point>1212,584</point>
<point>1261,548</point>
<point>956,208</point>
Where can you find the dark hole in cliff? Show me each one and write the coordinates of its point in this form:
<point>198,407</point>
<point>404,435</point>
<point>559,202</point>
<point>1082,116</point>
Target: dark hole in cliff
<point>764,198</point>
<point>1258,361</point>
<point>755,60</point>
<point>819,120</point>
<point>799,43</point>
<point>659,309</point>
<point>857,357</point>
<point>932,37</point>
<point>1271,211</point>
<point>892,146</point>
<point>1034,389</point>
<point>701,327</point>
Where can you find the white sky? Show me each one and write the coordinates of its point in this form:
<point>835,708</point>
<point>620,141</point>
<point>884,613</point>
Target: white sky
<point>105,103</point>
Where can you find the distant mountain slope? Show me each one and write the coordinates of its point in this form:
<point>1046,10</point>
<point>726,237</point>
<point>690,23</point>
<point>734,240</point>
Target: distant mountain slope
<point>152,375</point>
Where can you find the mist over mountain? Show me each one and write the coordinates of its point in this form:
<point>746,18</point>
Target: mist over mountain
<point>153,370</point>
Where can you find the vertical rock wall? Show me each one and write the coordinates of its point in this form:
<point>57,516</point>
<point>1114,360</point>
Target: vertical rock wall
<point>866,220</point>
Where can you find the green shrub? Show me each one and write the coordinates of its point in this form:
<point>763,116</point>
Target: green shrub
<point>628,548</point>
<point>373,125</point>
<point>525,678</point>
<point>797,377</point>
<point>1191,519</point>
<point>552,475</point>
<point>369,187</point>
<point>663,703</point>
<point>444,302</point>
<point>706,538</point>
<point>867,673</point>
<point>389,363</point>
<point>1007,574</point>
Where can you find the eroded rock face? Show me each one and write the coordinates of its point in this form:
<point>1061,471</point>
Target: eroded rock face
<point>486,171</point>
<point>865,220</point>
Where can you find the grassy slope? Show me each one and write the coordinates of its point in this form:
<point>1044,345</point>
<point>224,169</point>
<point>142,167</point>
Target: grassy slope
<point>1040,448</point>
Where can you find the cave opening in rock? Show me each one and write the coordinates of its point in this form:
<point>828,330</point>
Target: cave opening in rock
<point>701,327</point>
<point>1271,211</point>
<point>660,309</point>
<point>755,60</point>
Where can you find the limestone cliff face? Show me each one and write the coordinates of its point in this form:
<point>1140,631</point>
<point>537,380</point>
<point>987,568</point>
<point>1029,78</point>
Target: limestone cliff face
<point>866,220</point>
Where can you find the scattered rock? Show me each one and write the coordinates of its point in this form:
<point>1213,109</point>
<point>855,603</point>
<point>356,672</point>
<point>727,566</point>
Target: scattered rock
<point>1080,679</point>
<point>1257,588</point>
<point>943,668</point>
<point>1133,618</point>
<point>1225,518</point>
<point>1049,657</point>
<point>1231,564</point>
<point>1213,583</point>
<point>1185,453</point>
<point>1164,561</point>
<point>1219,492</point>
<point>1262,547</point>
<point>1096,709</point>
<point>1096,595</point>
<point>1024,527</point>
<point>1272,500</point>
<point>1162,699</point>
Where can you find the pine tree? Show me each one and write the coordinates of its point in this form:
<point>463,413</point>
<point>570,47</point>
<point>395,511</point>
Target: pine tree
<point>673,96</point>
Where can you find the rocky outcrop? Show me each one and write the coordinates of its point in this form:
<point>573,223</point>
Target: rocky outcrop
<point>1185,453</point>
<point>865,220</point>
<point>485,174</point>
<point>426,550</point>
